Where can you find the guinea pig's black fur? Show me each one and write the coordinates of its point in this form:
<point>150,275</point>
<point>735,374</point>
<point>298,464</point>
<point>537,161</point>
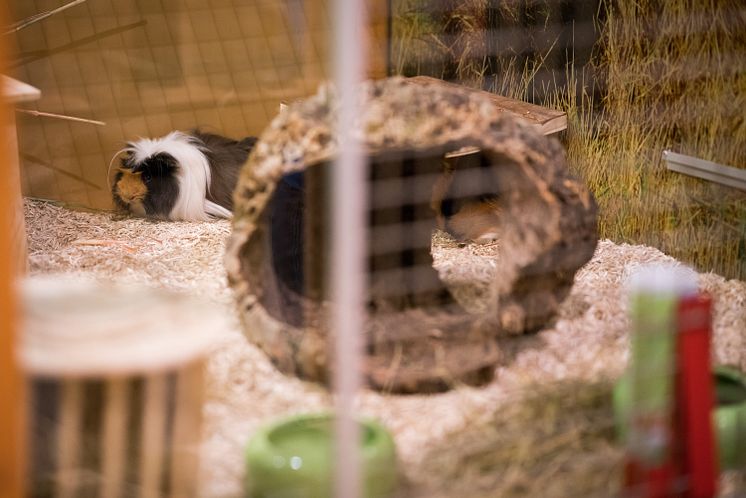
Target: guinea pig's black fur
<point>182,176</point>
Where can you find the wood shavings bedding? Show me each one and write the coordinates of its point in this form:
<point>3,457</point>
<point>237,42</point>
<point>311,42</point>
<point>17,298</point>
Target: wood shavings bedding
<point>586,343</point>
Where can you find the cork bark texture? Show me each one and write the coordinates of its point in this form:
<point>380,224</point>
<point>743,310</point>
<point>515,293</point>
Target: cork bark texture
<point>547,231</point>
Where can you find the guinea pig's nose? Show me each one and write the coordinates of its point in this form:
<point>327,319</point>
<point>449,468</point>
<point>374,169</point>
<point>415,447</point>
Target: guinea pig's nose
<point>130,187</point>
<point>136,208</point>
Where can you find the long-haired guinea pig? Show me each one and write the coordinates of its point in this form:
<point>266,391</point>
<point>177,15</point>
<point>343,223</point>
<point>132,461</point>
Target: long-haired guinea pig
<point>478,221</point>
<point>464,198</point>
<point>182,176</point>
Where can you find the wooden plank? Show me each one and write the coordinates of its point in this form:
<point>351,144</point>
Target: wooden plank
<point>377,15</point>
<point>69,437</point>
<point>17,228</point>
<point>12,395</point>
<point>187,430</point>
<point>152,445</point>
<point>13,92</point>
<point>705,170</point>
<point>545,120</point>
<point>114,441</point>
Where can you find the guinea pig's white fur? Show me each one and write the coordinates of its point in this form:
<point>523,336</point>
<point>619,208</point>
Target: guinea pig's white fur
<point>193,174</point>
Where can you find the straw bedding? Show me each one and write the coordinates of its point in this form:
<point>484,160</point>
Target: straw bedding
<point>542,426</point>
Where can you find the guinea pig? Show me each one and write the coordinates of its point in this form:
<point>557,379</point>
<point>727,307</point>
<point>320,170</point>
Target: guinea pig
<point>464,198</point>
<point>478,221</point>
<point>182,176</point>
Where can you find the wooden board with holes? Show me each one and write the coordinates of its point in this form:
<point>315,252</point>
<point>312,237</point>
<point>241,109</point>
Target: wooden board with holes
<point>546,120</point>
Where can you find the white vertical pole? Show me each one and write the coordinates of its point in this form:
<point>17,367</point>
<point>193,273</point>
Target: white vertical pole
<point>349,202</point>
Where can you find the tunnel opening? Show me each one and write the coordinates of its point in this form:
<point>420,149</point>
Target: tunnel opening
<point>412,195</point>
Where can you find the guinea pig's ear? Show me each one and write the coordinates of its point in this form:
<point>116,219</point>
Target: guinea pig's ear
<point>124,163</point>
<point>128,159</point>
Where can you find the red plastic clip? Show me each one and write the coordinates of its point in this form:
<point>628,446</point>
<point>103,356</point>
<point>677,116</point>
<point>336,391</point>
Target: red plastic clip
<point>695,400</point>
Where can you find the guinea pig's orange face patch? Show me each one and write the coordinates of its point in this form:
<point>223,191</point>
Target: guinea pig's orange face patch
<point>130,186</point>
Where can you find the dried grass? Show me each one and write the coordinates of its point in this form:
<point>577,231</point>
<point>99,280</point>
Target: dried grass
<point>673,76</point>
<point>442,39</point>
<point>542,425</point>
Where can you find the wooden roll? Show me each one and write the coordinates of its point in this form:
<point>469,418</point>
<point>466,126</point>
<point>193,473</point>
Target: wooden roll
<point>115,384</point>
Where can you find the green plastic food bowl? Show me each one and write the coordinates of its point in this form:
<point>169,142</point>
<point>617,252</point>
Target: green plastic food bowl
<point>729,416</point>
<point>293,459</point>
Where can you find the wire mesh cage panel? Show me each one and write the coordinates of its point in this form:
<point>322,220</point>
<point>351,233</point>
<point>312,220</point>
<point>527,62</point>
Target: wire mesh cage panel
<point>512,181</point>
<point>148,68</point>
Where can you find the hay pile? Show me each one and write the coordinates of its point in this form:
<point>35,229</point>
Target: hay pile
<point>541,428</point>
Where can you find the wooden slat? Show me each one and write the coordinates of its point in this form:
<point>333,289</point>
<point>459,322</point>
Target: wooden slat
<point>17,228</point>
<point>546,121</point>
<point>187,431</point>
<point>12,405</point>
<point>14,91</point>
<point>113,442</point>
<point>705,170</point>
<point>68,439</point>
<point>153,435</point>
<point>377,19</point>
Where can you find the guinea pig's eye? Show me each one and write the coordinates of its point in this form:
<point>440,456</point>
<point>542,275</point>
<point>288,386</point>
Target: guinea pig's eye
<point>146,176</point>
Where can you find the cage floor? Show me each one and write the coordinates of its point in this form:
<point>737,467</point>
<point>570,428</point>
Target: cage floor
<point>448,444</point>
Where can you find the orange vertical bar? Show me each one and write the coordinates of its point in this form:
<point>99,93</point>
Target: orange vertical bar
<point>12,428</point>
<point>377,29</point>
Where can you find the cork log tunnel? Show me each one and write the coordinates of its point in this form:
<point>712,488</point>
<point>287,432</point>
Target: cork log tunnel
<point>435,153</point>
